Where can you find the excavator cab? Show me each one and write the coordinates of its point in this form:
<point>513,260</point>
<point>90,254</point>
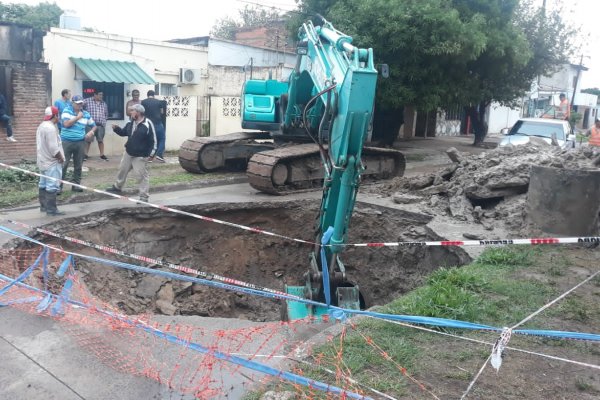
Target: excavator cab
<point>260,104</point>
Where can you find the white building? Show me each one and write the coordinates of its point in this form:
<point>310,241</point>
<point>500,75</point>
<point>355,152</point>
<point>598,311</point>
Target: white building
<point>201,81</point>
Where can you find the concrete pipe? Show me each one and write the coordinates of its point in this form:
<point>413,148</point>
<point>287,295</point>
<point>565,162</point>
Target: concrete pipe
<point>564,201</point>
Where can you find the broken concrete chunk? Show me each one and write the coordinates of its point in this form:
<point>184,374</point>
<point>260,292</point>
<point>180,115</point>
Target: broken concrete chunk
<point>509,182</point>
<point>432,190</point>
<point>165,307</point>
<point>454,155</point>
<point>166,293</point>
<point>421,182</point>
<point>404,198</point>
<point>448,171</point>
<point>437,180</point>
<point>149,286</point>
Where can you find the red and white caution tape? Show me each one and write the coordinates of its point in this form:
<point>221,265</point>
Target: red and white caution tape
<point>187,270</point>
<point>449,243</point>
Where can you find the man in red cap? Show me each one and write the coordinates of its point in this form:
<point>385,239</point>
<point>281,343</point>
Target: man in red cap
<point>50,159</point>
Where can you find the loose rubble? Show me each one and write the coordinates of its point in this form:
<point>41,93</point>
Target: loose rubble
<point>488,188</point>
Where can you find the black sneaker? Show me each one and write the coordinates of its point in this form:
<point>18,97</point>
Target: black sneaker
<point>113,189</point>
<point>76,189</point>
<point>104,157</point>
<point>85,158</point>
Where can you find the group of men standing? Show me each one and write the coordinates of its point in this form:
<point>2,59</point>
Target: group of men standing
<point>69,128</point>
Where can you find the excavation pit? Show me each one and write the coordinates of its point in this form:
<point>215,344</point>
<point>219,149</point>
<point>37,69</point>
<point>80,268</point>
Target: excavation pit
<point>382,273</point>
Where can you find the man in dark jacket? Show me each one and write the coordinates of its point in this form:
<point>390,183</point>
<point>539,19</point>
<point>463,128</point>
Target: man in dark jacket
<point>6,119</point>
<point>155,111</point>
<point>140,149</point>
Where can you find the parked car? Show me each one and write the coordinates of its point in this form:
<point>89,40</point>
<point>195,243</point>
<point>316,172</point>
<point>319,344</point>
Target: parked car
<point>544,128</point>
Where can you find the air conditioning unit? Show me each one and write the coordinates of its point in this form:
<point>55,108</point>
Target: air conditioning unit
<point>188,76</point>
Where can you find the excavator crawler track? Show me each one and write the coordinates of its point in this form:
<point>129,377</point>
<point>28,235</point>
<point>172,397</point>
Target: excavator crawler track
<point>299,168</point>
<point>226,152</point>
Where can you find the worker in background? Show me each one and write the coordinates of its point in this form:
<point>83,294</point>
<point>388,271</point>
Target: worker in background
<point>594,136</point>
<point>135,94</point>
<point>6,119</point>
<point>50,159</point>
<point>155,109</point>
<point>62,103</point>
<point>563,110</point>
<point>98,110</point>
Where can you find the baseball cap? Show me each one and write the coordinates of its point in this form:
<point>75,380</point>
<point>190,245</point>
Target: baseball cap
<point>77,99</point>
<point>50,112</point>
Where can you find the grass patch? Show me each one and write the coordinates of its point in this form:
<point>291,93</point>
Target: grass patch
<point>492,290</point>
<point>18,187</point>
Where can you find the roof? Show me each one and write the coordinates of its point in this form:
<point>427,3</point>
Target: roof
<point>112,71</point>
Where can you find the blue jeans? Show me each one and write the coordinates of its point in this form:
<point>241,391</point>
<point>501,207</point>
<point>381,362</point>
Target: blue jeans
<point>160,139</point>
<point>51,185</point>
<point>6,119</point>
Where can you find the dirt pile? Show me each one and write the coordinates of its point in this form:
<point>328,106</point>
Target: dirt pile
<point>487,188</point>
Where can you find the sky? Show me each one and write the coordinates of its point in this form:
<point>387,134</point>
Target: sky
<point>170,19</point>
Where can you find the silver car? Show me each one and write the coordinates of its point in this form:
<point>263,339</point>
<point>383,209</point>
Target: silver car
<point>546,129</point>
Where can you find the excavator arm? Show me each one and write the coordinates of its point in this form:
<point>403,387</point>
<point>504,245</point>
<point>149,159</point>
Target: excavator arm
<point>331,96</point>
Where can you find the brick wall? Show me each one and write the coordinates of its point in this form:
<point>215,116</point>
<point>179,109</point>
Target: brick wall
<point>31,91</point>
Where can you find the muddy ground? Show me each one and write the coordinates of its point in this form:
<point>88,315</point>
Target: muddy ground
<point>382,274</point>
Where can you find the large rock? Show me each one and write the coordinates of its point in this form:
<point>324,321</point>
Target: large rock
<point>405,198</point>
<point>149,286</point>
<point>454,155</point>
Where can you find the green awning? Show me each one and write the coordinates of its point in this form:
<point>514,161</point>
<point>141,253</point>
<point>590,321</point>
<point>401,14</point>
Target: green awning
<point>112,71</point>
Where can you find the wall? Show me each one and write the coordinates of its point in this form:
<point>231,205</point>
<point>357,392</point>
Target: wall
<point>30,84</point>
<point>502,117</point>
<point>160,60</point>
<point>225,115</point>
<point>181,120</point>
<point>20,42</point>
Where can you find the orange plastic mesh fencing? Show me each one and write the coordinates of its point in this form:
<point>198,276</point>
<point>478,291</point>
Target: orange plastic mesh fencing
<point>188,359</point>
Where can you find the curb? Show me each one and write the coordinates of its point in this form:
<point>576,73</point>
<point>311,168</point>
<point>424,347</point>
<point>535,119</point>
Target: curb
<point>129,192</point>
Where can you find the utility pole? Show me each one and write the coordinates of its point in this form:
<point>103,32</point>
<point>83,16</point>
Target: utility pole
<point>577,80</point>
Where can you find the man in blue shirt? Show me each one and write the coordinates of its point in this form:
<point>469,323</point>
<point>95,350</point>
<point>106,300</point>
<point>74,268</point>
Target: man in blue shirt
<point>74,121</point>
<point>61,104</point>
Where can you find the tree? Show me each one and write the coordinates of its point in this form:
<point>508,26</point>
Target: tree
<point>249,17</point>
<point>444,52</point>
<point>42,16</point>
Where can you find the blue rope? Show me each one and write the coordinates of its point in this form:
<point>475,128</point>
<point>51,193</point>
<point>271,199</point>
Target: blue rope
<point>253,365</point>
<point>337,312</point>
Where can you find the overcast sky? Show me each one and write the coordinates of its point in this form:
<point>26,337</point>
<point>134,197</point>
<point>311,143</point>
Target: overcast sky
<point>169,19</point>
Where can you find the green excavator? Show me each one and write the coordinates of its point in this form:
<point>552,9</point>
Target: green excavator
<point>318,121</point>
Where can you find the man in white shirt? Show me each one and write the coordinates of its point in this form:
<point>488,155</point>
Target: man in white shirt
<point>50,159</point>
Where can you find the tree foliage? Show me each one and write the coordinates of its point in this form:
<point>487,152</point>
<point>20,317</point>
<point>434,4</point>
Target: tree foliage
<point>444,52</point>
<point>42,16</point>
<point>248,17</point>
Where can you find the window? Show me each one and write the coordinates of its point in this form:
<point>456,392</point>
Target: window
<point>165,89</point>
<point>113,96</point>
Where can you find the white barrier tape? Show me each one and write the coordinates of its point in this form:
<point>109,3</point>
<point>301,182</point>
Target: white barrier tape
<point>458,243</point>
<point>187,270</point>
